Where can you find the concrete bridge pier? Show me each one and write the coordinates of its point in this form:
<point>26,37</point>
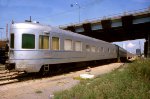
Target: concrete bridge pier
<point>148,49</point>
<point>145,48</point>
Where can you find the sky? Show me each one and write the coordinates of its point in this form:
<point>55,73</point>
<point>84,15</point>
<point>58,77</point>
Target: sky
<point>132,45</point>
<point>62,12</point>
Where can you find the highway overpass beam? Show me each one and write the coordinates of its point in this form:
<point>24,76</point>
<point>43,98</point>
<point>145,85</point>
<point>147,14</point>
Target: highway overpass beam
<point>87,29</point>
<point>127,22</point>
<point>71,28</point>
<point>106,24</point>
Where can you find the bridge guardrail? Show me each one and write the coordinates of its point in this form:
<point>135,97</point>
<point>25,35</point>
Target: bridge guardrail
<point>114,16</point>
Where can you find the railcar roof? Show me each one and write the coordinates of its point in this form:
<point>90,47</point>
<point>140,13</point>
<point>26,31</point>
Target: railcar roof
<point>50,28</point>
<point>29,25</point>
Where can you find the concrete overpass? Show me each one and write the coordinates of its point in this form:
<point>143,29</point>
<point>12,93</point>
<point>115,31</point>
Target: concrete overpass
<point>125,26</point>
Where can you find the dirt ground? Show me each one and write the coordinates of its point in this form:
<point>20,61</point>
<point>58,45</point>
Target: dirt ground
<point>44,88</point>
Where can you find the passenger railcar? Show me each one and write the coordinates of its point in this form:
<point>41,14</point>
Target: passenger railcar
<point>33,46</point>
<point>121,53</point>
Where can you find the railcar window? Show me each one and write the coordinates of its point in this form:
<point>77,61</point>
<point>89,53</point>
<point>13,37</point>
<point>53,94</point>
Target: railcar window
<point>55,43</point>
<point>108,50</point>
<point>114,50</point>
<point>93,49</point>
<point>43,42</point>
<point>88,48</point>
<point>102,49</point>
<point>78,46</point>
<point>12,40</point>
<point>98,49</point>
<point>68,44</point>
<point>28,41</point>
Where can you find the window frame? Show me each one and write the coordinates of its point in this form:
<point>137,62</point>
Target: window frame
<point>102,49</point>
<point>98,50</point>
<point>81,48</point>
<point>71,45</point>
<point>11,40</point>
<point>108,50</point>
<point>89,48</point>
<point>114,50</point>
<point>22,41</point>
<point>43,43</point>
<point>52,43</point>
<point>93,47</point>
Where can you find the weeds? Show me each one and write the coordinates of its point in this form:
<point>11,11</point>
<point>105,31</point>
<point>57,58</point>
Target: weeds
<point>131,83</point>
<point>140,68</point>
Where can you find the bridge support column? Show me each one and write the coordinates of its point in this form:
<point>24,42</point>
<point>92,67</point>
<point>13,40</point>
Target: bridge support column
<point>145,48</point>
<point>148,49</point>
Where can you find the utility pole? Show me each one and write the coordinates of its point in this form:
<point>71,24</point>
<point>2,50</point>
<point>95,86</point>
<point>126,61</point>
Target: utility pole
<point>77,4</point>
<point>6,32</point>
<point>79,10</point>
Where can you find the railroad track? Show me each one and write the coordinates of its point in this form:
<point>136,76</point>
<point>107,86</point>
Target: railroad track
<point>7,77</point>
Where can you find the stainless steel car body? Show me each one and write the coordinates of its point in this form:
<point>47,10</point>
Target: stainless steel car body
<point>31,60</point>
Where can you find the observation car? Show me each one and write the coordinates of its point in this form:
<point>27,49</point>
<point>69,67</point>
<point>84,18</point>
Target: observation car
<point>34,46</point>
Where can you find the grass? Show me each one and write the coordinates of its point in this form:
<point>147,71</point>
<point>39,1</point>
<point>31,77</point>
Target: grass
<point>131,83</point>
